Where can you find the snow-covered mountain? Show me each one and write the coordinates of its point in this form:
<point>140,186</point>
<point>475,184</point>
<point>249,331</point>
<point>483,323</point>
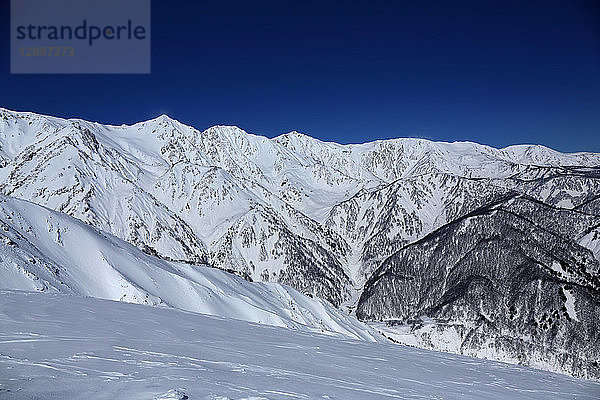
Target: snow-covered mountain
<point>328,219</point>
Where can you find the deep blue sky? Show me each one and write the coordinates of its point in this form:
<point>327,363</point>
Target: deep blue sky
<point>498,73</point>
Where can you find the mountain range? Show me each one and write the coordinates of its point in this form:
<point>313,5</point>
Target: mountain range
<point>451,246</point>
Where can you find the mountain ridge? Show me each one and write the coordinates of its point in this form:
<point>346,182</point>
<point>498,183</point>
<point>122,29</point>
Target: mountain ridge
<point>165,117</point>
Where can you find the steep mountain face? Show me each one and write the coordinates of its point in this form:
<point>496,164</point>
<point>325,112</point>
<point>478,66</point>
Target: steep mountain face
<point>151,185</point>
<point>381,221</point>
<point>63,166</point>
<point>324,218</point>
<point>508,279</point>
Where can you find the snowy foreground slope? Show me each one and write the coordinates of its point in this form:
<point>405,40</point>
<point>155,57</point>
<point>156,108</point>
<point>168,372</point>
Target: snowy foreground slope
<point>64,347</point>
<point>48,251</point>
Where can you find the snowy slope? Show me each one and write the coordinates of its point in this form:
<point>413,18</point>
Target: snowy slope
<point>43,250</point>
<point>96,349</point>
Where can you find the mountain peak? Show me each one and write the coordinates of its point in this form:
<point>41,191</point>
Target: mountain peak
<point>161,119</point>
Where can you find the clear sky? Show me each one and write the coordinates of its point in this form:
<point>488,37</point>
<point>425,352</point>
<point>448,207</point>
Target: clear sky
<point>498,73</point>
